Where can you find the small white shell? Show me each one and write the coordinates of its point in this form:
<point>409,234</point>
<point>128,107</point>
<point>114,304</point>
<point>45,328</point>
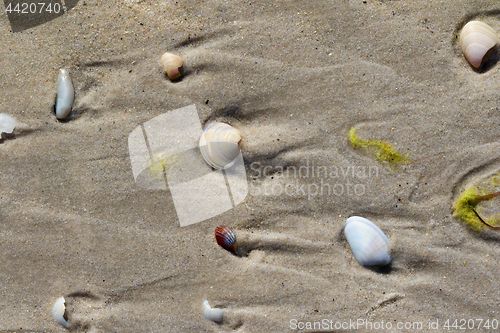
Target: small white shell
<point>213,314</point>
<point>7,123</point>
<point>65,94</point>
<point>476,39</point>
<point>58,312</point>
<point>171,63</point>
<point>219,145</point>
<point>368,243</point>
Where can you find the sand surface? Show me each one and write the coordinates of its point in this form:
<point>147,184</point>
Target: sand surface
<point>293,77</point>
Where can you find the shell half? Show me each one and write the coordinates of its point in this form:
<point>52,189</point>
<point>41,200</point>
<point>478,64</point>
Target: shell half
<point>219,145</point>
<point>368,243</point>
<point>476,39</point>
<point>225,238</point>
<point>171,64</point>
<point>213,314</point>
<point>58,312</point>
<point>7,123</point>
<point>65,94</point>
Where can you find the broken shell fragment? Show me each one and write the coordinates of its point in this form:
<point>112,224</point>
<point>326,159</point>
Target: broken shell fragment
<point>476,39</point>
<point>213,314</point>
<point>368,243</point>
<point>58,312</point>
<point>225,238</point>
<point>7,123</point>
<point>65,94</point>
<point>219,145</point>
<point>171,63</point>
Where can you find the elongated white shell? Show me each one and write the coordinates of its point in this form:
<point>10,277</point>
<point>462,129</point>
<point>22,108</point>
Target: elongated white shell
<point>171,63</point>
<point>7,123</point>
<point>58,312</point>
<point>65,94</point>
<point>476,39</point>
<point>219,145</point>
<point>213,314</point>
<point>368,243</point>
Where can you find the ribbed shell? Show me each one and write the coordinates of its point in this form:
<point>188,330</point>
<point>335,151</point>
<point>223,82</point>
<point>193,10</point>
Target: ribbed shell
<point>368,243</point>
<point>476,39</point>
<point>226,238</point>
<point>219,145</point>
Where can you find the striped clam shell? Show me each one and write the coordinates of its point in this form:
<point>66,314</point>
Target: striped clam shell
<point>219,145</point>
<point>476,39</point>
<point>225,238</point>
<point>368,243</point>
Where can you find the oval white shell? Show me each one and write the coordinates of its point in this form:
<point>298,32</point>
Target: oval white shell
<point>368,243</point>
<point>58,312</point>
<point>65,94</point>
<point>219,145</point>
<point>213,314</point>
<point>476,39</point>
<point>7,123</point>
<point>171,63</point>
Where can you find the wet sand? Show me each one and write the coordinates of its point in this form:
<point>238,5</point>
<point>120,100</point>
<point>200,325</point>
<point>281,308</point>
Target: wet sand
<point>293,77</point>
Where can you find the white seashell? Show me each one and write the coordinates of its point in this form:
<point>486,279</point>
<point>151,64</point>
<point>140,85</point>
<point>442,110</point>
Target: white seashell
<point>7,123</point>
<point>368,243</point>
<point>65,94</point>
<point>476,39</point>
<point>171,63</point>
<point>58,312</point>
<point>213,314</point>
<point>219,145</point>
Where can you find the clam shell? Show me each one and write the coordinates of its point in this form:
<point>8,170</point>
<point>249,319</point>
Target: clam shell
<point>58,312</point>
<point>368,243</point>
<point>7,123</point>
<point>476,39</point>
<point>171,63</point>
<point>65,94</point>
<point>219,145</point>
<point>213,314</point>
<point>225,238</point>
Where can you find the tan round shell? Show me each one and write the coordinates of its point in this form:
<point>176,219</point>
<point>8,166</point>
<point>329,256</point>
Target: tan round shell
<point>476,39</point>
<point>219,145</point>
<point>171,63</point>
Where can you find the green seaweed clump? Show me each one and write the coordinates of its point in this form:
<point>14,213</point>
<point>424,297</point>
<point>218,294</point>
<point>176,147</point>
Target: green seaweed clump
<point>465,206</point>
<point>383,151</point>
<point>465,209</point>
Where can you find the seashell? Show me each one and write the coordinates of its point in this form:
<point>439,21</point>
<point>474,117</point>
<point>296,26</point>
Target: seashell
<point>7,123</point>
<point>213,314</point>
<point>368,243</point>
<point>171,63</point>
<point>225,238</point>
<point>58,312</point>
<point>476,39</point>
<point>65,94</point>
<point>219,145</point>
